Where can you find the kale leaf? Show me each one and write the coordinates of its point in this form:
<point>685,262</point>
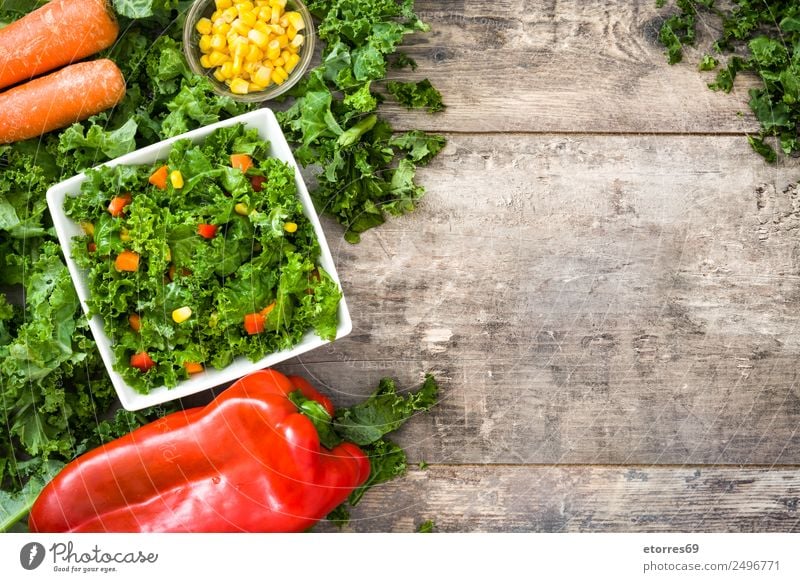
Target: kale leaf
<point>768,33</point>
<point>364,174</point>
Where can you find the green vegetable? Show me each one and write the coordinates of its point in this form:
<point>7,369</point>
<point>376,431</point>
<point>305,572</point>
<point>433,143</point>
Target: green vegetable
<point>769,34</point>
<point>366,172</point>
<point>419,95</point>
<point>427,526</point>
<point>383,412</point>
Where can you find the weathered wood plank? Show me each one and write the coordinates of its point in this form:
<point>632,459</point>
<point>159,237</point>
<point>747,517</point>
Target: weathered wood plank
<point>583,499</point>
<point>567,66</point>
<point>587,300</point>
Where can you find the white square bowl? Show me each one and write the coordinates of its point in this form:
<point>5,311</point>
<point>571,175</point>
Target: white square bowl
<point>264,121</point>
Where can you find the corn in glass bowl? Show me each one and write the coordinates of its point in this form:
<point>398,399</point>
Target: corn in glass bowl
<point>240,18</point>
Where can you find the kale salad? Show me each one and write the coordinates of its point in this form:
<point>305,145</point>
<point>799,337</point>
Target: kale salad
<point>201,258</point>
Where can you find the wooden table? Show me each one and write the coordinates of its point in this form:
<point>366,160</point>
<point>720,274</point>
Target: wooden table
<point>603,275</point>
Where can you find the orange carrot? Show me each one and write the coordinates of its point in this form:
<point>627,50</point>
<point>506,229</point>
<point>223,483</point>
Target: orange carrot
<point>60,99</point>
<point>254,323</point>
<point>118,204</point>
<point>127,261</point>
<point>159,178</point>
<point>57,34</point>
<point>241,162</point>
<point>193,367</point>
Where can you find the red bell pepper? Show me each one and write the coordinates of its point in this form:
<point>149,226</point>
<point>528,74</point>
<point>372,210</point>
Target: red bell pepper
<point>247,462</point>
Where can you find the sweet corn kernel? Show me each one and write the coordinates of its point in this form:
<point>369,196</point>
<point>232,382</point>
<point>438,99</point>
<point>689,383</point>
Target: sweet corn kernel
<point>283,40</point>
<point>203,26</point>
<point>223,4</point>
<point>88,228</point>
<point>290,227</point>
<point>249,17</point>
<point>238,44</point>
<point>237,66</point>
<point>296,20</point>
<point>230,14</point>
<point>298,40</point>
<point>260,39</point>
<point>176,179</point>
<point>241,209</point>
<point>239,26</point>
<point>181,314</point>
<point>291,32</point>
<point>219,76</point>
<point>218,41</point>
<point>245,6</point>
<point>277,29</point>
<point>205,43</point>
<point>255,87</point>
<point>226,70</point>
<point>254,54</point>
<point>220,27</point>
<point>285,55</point>
<point>205,61</point>
<point>279,62</point>
<point>216,14</point>
<point>291,63</point>
<point>275,15</point>
<point>273,50</point>
<point>217,58</point>
<point>124,235</point>
<point>262,76</point>
<point>276,77</point>
<point>240,86</point>
<point>261,26</point>
<point>278,3</point>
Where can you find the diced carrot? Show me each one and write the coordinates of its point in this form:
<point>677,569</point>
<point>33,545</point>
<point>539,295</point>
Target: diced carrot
<point>127,261</point>
<point>118,203</point>
<point>257,182</point>
<point>207,230</point>
<point>265,312</point>
<point>135,321</point>
<point>159,178</point>
<point>254,323</point>
<point>193,367</point>
<point>143,361</point>
<point>241,162</point>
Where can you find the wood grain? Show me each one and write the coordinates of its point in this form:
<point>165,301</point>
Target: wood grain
<point>583,499</point>
<point>565,66</point>
<point>593,299</point>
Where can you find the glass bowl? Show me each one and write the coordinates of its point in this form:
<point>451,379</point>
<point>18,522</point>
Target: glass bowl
<point>191,38</point>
